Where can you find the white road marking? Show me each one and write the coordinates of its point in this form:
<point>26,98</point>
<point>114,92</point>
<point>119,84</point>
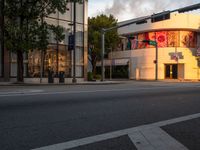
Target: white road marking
<point>155,139</point>
<point>21,92</point>
<point>144,129</point>
<point>93,91</point>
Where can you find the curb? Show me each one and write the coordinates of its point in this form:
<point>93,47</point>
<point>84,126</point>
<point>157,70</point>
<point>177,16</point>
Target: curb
<point>60,84</point>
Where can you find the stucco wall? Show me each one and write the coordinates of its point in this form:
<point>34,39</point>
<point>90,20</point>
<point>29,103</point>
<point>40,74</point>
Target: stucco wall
<point>142,62</point>
<point>177,21</point>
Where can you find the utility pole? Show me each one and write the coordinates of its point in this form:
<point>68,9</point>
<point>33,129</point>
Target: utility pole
<point>102,54</point>
<point>111,64</point>
<point>156,70</point>
<point>74,52</point>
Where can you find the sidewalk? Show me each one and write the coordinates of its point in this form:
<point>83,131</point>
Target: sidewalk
<point>52,84</point>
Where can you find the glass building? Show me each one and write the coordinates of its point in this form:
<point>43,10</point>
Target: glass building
<point>57,57</point>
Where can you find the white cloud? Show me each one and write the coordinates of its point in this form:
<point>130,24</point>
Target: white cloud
<point>129,9</point>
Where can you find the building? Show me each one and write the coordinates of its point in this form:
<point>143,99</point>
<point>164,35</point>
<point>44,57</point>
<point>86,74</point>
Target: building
<point>178,38</point>
<point>57,57</point>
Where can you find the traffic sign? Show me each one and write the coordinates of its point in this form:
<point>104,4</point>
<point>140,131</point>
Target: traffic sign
<point>150,42</point>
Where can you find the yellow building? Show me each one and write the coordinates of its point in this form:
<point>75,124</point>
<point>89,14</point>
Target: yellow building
<point>178,38</point>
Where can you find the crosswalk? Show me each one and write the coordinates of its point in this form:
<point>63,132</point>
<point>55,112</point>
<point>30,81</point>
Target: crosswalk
<point>144,137</point>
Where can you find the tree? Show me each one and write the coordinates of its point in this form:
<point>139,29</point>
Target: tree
<point>94,37</point>
<point>26,27</point>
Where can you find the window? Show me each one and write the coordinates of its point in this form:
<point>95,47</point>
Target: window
<point>188,39</point>
<point>173,38</point>
<point>161,38</point>
<point>34,63</point>
<point>160,17</point>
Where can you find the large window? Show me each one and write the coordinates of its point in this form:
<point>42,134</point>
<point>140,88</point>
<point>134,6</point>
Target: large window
<point>34,63</point>
<point>13,65</point>
<point>50,60</point>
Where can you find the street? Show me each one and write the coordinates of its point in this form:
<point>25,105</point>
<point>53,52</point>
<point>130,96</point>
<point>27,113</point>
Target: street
<point>36,116</point>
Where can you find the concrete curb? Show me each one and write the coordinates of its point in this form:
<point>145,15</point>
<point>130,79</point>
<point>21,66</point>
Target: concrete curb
<point>60,84</point>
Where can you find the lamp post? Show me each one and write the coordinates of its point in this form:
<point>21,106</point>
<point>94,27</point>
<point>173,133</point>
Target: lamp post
<point>111,64</point>
<point>102,54</point>
<point>156,61</point>
<point>74,52</point>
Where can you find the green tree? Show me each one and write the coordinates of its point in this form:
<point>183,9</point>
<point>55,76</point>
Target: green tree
<point>94,37</point>
<point>26,27</point>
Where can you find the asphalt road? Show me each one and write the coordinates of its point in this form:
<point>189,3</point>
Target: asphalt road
<point>32,117</point>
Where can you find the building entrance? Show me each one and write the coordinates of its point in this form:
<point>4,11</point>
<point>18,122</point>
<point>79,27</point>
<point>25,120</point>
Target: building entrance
<point>171,71</point>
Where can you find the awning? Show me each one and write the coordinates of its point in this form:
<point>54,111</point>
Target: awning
<point>114,62</point>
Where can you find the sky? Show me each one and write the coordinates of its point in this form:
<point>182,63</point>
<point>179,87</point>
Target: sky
<point>129,9</point>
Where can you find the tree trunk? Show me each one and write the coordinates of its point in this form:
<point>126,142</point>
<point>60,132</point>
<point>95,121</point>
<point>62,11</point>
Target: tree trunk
<point>20,67</point>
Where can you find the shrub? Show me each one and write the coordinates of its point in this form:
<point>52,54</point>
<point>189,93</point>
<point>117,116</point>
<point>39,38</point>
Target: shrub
<point>90,76</point>
<point>98,77</point>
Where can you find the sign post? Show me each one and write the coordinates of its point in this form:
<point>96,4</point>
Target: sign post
<point>154,43</point>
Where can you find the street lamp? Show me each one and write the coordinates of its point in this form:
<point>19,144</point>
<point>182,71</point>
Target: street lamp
<point>102,54</point>
<point>110,62</point>
<point>74,52</point>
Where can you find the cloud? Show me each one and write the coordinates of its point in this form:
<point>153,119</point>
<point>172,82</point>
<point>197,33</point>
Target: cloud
<point>128,9</point>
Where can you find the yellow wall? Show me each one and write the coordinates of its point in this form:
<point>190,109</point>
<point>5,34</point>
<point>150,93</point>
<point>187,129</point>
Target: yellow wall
<point>142,66</point>
<point>177,21</point>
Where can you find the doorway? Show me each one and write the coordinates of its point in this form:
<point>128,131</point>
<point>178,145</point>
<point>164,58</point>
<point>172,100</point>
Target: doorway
<point>171,71</point>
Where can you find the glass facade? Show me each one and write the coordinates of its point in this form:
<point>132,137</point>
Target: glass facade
<point>57,57</point>
<point>164,39</point>
<point>13,65</point>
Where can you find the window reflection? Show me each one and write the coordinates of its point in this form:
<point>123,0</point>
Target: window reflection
<point>50,61</point>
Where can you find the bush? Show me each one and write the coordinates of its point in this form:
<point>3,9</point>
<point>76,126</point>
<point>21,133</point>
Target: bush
<point>90,76</point>
<point>98,77</point>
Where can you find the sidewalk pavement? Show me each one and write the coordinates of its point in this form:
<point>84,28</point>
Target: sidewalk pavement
<point>51,84</point>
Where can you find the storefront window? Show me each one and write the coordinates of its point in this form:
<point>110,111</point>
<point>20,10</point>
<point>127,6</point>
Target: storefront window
<point>50,60</point>
<point>166,39</point>
<point>150,36</point>
<point>184,38</point>
<point>141,37</point>
<point>34,63</point>
<point>161,38</point>
<point>64,57</point>
<point>173,38</point>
